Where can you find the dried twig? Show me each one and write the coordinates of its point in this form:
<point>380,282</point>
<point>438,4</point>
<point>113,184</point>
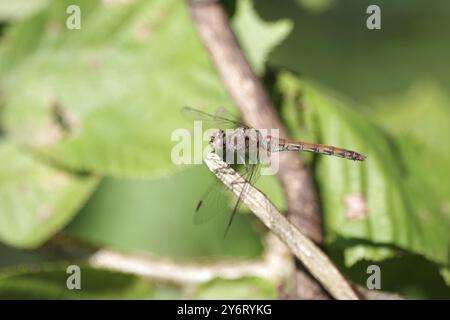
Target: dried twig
<point>377,294</point>
<point>304,249</point>
<point>276,264</point>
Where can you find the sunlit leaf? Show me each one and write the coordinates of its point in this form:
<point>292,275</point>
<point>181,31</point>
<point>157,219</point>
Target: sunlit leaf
<point>36,200</point>
<point>445,273</point>
<point>353,254</point>
<point>421,112</point>
<point>10,10</point>
<point>256,36</point>
<point>107,97</point>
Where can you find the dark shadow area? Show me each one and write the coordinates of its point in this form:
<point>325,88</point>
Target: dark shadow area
<point>407,273</point>
<point>10,257</point>
<point>336,48</point>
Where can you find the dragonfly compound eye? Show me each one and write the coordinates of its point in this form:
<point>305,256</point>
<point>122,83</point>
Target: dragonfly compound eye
<point>216,140</point>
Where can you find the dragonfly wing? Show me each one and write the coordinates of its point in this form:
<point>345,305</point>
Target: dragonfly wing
<point>223,113</point>
<point>252,174</point>
<point>219,119</point>
<point>213,203</point>
<point>216,199</point>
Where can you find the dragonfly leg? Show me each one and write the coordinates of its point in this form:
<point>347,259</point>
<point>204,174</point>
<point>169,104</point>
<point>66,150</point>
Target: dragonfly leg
<point>220,170</point>
<point>236,180</point>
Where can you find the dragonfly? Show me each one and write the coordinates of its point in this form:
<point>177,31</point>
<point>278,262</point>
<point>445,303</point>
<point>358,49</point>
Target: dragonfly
<point>238,141</point>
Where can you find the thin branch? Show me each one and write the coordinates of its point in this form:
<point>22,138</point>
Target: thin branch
<point>276,264</point>
<point>377,294</point>
<point>272,267</point>
<point>304,249</point>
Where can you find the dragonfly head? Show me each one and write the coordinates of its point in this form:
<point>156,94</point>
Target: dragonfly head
<point>217,140</point>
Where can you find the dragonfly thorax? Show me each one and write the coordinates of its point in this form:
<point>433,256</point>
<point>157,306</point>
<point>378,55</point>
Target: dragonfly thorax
<point>236,145</point>
<point>216,140</point>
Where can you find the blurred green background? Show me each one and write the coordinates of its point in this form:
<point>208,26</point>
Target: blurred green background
<point>86,118</point>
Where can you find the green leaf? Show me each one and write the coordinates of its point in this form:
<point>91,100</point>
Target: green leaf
<point>379,200</point>
<point>407,274</point>
<point>244,288</point>
<point>12,257</point>
<point>420,117</point>
<point>334,46</point>
<point>316,6</point>
<point>36,200</point>
<point>107,97</point>
<point>256,36</point>
<point>421,112</point>
<point>49,282</point>
<point>445,273</point>
<point>157,215</point>
<point>355,253</point>
<point>270,186</point>
<point>11,10</point>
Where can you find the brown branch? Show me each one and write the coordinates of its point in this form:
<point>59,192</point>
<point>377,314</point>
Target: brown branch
<point>257,110</point>
<point>304,249</point>
<point>377,294</point>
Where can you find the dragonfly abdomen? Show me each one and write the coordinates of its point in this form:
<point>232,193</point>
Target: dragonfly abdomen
<point>287,145</point>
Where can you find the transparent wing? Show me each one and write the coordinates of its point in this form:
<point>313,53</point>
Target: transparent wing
<point>252,174</point>
<point>216,200</point>
<point>220,119</point>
